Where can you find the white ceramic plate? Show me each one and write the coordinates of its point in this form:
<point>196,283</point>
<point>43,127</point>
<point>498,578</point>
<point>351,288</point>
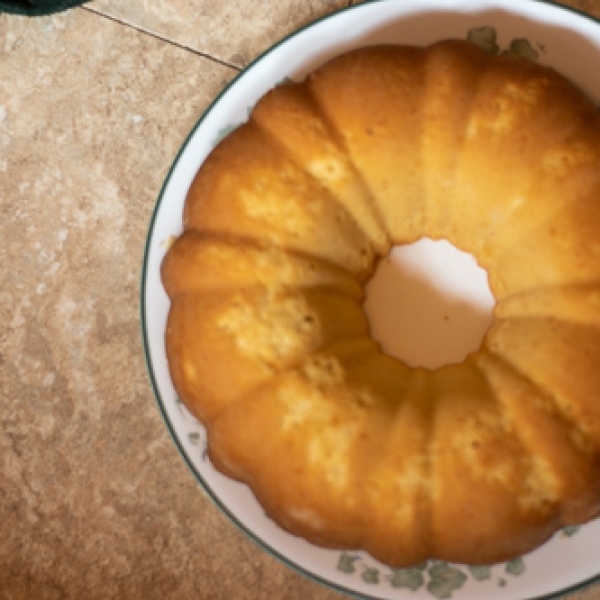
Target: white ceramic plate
<point>562,38</point>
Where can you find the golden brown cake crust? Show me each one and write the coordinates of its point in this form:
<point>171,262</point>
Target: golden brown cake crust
<point>268,344</point>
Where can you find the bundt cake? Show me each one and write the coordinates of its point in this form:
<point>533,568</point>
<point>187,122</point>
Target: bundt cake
<point>267,340</point>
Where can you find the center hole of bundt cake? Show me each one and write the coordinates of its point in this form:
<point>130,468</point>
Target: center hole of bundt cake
<point>429,304</point>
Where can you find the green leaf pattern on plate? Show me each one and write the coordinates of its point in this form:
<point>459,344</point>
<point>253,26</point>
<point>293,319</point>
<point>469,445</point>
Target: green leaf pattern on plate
<point>411,578</point>
<point>440,578</point>
<point>444,580</point>
<point>515,567</point>
<point>351,563</point>
<point>486,38</point>
<point>370,575</point>
<point>522,47</point>
<point>194,438</point>
<point>480,572</point>
<point>346,563</point>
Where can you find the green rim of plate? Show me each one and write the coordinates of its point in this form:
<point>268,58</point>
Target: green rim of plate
<point>188,461</point>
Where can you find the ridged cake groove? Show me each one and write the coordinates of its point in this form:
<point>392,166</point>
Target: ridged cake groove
<point>564,404</point>
<point>450,93</point>
<point>330,146</point>
<point>277,203</point>
<point>551,435</point>
<point>330,197</point>
<point>336,93</point>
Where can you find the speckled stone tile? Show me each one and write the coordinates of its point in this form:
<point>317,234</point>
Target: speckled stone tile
<point>589,7</point>
<point>233,31</point>
<point>95,501</point>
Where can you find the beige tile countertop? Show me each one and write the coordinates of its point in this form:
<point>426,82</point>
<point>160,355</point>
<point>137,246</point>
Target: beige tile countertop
<point>95,500</point>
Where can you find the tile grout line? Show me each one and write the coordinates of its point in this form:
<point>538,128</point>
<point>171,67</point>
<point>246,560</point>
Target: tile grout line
<point>160,37</point>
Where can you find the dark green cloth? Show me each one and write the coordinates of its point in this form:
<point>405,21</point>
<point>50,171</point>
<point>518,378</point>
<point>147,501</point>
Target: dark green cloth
<point>35,8</point>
